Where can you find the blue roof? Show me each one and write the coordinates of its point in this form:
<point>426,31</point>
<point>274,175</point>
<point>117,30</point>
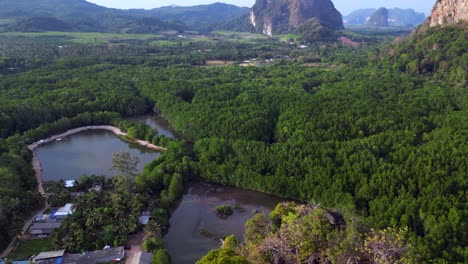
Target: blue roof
<point>59,260</point>
<point>21,262</point>
<point>52,215</point>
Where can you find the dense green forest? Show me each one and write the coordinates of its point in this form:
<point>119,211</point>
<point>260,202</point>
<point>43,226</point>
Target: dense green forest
<point>378,132</point>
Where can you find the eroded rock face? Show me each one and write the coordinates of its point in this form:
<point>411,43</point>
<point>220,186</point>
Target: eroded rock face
<point>448,12</point>
<point>379,18</point>
<point>282,16</point>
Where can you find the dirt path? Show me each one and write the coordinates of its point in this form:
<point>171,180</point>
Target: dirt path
<point>136,242</point>
<point>38,170</point>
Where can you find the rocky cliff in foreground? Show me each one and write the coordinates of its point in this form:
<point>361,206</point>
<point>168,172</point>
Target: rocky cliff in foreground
<point>448,12</point>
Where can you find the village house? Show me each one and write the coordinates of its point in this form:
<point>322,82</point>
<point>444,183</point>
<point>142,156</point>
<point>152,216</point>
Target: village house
<point>49,257</point>
<point>43,229</point>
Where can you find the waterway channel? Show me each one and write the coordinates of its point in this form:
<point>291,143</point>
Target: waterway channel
<point>90,152</point>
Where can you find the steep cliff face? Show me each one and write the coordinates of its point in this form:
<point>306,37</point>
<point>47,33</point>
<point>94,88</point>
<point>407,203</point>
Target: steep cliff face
<point>448,12</point>
<point>379,18</point>
<point>282,16</point>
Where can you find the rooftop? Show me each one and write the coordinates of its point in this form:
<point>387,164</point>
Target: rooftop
<point>35,227</point>
<point>98,256</point>
<point>49,255</point>
<point>144,258</point>
<point>70,183</point>
<point>63,211</point>
<point>144,218</point>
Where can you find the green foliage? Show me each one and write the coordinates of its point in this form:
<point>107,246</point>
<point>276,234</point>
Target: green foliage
<point>441,52</point>
<point>141,131</point>
<point>312,31</point>
<point>161,256</point>
<point>281,210</point>
<point>176,187</point>
<point>58,195</point>
<point>230,242</point>
<point>99,219</point>
<point>256,229</point>
<point>161,216</point>
<point>126,167</point>
<point>224,210</point>
<point>18,194</point>
<point>222,256</point>
<point>153,244</point>
<point>389,246</point>
<point>379,132</point>
<point>28,248</point>
<point>317,234</point>
<point>81,16</point>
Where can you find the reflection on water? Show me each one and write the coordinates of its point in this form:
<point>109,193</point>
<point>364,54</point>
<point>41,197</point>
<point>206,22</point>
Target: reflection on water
<point>197,211</point>
<point>88,152</point>
<point>153,121</point>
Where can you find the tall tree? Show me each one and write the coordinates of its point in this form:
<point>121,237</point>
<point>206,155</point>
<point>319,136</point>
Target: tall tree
<point>126,167</point>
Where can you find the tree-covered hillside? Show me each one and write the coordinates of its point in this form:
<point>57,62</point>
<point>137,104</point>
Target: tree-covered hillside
<point>80,15</point>
<point>385,139</point>
<point>76,15</point>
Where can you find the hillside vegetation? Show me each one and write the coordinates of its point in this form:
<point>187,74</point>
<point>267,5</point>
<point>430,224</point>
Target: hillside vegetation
<point>80,15</point>
<point>384,139</point>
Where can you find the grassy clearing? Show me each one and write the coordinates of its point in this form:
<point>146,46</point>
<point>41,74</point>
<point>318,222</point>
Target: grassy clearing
<point>7,21</point>
<point>83,37</point>
<point>168,43</point>
<point>288,37</point>
<point>219,63</point>
<point>27,248</point>
<point>241,35</point>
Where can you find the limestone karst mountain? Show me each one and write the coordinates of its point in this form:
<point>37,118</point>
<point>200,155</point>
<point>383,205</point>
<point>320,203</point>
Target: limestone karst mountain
<point>282,16</point>
<point>448,12</point>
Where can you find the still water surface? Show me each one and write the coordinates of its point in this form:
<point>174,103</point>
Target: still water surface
<point>157,122</point>
<point>88,152</point>
<point>197,210</point>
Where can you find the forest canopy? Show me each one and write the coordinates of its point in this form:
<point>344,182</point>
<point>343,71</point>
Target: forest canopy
<point>385,139</point>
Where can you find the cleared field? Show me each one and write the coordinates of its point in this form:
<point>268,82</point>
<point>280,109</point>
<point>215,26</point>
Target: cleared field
<point>27,248</point>
<point>6,21</point>
<point>84,37</point>
<point>219,63</point>
<point>241,35</point>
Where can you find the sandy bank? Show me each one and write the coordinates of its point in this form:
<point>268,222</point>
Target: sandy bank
<point>113,129</point>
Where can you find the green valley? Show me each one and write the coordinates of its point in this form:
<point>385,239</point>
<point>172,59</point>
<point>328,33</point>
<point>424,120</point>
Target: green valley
<point>369,140</point>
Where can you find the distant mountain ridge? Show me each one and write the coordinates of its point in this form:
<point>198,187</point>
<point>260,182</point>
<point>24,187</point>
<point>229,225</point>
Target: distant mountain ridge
<point>379,18</point>
<point>396,17</point>
<point>199,16</point>
<point>80,15</point>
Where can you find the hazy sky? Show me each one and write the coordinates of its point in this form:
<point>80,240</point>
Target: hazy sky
<point>344,6</point>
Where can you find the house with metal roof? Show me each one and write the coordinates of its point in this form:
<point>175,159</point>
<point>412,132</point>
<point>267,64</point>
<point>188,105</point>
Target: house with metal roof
<point>63,212</point>
<point>49,257</point>
<point>43,229</point>
<point>94,257</point>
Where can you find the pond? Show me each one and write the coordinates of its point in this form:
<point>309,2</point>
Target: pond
<point>90,152</point>
<point>196,212</point>
<point>87,152</point>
